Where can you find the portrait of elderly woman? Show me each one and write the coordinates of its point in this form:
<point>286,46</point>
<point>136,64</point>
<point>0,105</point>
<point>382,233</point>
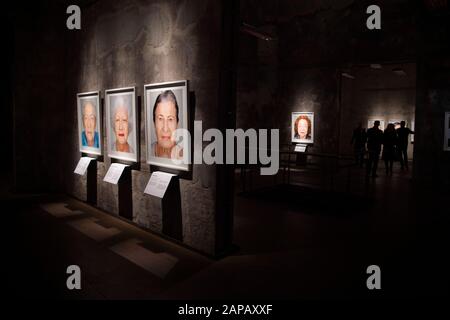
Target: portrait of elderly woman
<point>166,120</point>
<point>122,123</point>
<point>89,122</point>
<point>303,127</point>
<point>166,111</point>
<point>121,126</point>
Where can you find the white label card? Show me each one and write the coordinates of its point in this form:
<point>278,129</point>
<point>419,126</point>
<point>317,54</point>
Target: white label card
<point>300,148</point>
<point>114,173</point>
<point>158,183</point>
<point>82,165</point>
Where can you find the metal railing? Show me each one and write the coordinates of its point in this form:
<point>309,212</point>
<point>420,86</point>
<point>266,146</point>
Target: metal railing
<point>323,167</point>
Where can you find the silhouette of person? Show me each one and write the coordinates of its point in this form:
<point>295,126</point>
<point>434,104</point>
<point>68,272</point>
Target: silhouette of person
<point>359,144</point>
<point>374,142</point>
<point>390,141</point>
<point>403,134</point>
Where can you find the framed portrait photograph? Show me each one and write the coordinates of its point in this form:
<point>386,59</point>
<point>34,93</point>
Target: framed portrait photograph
<point>397,123</point>
<point>302,124</point>
<point>166,112</point>
<point>89,122</point>
<point>447,132</point>
<point>371,122</point>
<point>121,124</point>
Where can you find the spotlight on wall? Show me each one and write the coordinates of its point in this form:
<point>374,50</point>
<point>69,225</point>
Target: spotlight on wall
<point>347,75</point>
<point>399,71</point>
<point>253,31</point>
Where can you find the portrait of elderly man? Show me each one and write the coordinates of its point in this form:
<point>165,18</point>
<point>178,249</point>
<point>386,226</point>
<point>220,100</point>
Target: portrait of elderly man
<point>166,121</point>
<point>89,135</point>
<point>121,125</point>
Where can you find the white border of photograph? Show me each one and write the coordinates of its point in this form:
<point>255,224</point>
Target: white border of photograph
<point>151,91</point>
<point>93,95</point>
<point>294,116</point>
<point>136,127</point>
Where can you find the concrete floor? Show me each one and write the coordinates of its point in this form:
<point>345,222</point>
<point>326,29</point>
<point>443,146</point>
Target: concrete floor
<point>293,243</point>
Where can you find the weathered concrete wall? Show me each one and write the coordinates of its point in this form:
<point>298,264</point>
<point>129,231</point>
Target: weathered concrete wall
<point>132,43</point>
<point>38,96</point>
<point>300,71</point>
<point>6,89</point>
<point>432,164</point>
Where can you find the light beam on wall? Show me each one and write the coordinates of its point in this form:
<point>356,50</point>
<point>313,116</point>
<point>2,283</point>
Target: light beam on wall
<point>399,71</point>
<point>253,31</point>
<point>347,75</point>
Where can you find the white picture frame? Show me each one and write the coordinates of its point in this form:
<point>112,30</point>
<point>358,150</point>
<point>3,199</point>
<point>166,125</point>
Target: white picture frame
<point>166,110</point>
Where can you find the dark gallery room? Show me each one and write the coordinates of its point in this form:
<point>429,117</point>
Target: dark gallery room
<point>226,150</point>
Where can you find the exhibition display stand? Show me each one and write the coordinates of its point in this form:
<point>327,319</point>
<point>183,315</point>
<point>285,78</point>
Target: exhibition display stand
<point>87,166</point>
<point>120,175</point>
<point>166,187</point>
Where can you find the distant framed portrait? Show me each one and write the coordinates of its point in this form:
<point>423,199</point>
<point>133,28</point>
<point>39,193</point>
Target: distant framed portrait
<point>166,124</point>
<point>121,123</point>
<point>397,123</point>
<point>447,132</point>
<point>371,122</point>
<point>89,122</point>
<point>302,124</point>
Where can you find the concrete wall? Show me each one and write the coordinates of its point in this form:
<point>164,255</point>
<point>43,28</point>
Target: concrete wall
<point>121,44</point>
<point>132,43</point>
<point>316,41</point>
<point>300,71</point>
<point>38,96</point>
<point>6,89</point>
<point>432,164</point>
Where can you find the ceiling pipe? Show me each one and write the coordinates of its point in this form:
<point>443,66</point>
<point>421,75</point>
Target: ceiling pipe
<point>253,31</point>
